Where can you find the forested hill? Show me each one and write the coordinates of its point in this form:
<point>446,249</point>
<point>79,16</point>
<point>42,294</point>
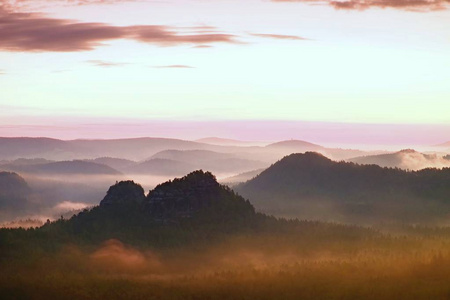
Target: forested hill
<point>193,212</point>
<point>14,191</point>
<point>186,210</point>
<point>312,186</point>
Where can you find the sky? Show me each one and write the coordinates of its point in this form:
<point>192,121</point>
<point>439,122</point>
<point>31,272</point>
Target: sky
<point>357,71</point>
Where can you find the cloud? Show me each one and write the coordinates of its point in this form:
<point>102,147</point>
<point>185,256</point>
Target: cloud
<point>168,36</point>
<point>279,36</point>
<point>34,32</point>
<point>411,5</point>
<point>175,67</point>
<point>2,72</point>
<point>66,206</point>
<point>105,64</point>
<point>30,4</point>
<point>202,46</point>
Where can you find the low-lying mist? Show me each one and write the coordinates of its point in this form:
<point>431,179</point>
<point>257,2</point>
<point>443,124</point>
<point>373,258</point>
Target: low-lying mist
<point>64,195</point>
<point>367,266</point>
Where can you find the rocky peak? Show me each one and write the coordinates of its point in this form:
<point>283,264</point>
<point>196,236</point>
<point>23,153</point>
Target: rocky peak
<point>185,196</point>
<point>124,193</point>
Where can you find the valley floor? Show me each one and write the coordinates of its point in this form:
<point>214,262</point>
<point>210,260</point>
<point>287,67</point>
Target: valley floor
<point>409,266</point>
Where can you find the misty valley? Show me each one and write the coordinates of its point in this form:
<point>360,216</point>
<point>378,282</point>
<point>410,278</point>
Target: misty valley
<point>154,218</point>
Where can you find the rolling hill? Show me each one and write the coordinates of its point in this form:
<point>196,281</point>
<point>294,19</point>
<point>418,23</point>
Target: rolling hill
<point>312,186</point>
<point>133,149</point>
<point>13,148</point>
<point>228,142</point>
<point>407,159</point>
<point>192,156</point>
<point>119,164</point>
<point>194,207</point>
<point>160,166</point>
<point>14,192</point>
<point>75,167</point>
<point>242,177</point>
<point>137,148</point>
<point>215,162</point>
<point>295,146</point>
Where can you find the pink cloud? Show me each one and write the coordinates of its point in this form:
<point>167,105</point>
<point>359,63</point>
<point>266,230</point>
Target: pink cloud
<point>30,4</point>
<point>105,64</point>
<point>279,36</point>
<point>175,67</point>
<point>36,33</point>
<point>412,5</point>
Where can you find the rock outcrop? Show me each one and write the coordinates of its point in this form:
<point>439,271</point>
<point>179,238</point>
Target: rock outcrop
<point>124,193</point>
<point>197,194</point>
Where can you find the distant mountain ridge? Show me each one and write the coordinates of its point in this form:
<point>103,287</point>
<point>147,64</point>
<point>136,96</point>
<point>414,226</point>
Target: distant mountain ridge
<point>299,146</point>
<point>229,142</point>
<point>133,148</point>
<point>74,167</point>
<point>23,147</point>
<point>404,159</point>
<point>160,166</point>
<point>296,144</point>
<point>138,149</point>
<point>180,162</point>
<point>444,145</point>
<point>116,163</point>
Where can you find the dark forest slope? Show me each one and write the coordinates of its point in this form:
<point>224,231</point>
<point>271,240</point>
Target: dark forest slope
<point>312,186</point>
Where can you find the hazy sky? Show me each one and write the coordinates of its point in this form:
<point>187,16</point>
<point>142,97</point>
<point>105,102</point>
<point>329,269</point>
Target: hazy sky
<point>88,68</point>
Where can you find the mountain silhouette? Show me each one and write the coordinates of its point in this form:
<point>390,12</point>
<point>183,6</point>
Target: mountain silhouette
<point>12,148</point>
<point>212,161</point>
<point>14,191</point>
<point>298,146</point>
<point>75,167</point>
<point>160,166</point>
<point>295,145</point>
<point>312,186</point>
<point>193,207</point>
<point>119,164</point>
<point>131,148</point>
<point>197,192</point>
<point>124,193</point>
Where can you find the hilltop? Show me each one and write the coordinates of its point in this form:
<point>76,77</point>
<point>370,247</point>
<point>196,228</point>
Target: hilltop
<point>312,186</point>
<point>195,205</point>
<point>14,191</point>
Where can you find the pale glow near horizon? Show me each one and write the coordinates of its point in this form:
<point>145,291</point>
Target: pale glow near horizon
<point>379,66</point>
